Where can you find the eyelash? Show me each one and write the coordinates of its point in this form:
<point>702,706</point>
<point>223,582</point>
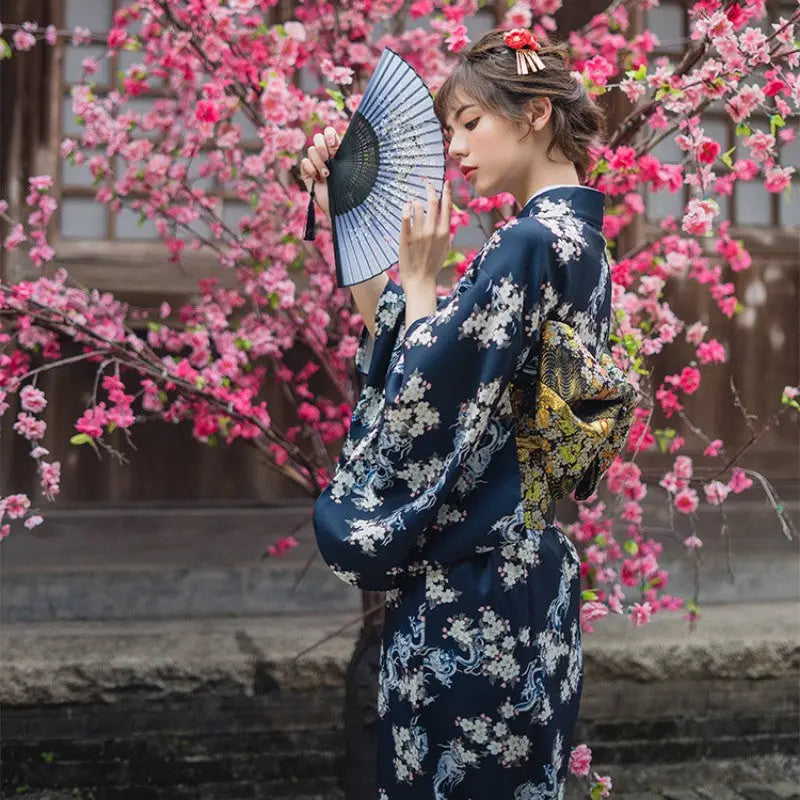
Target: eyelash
<point>473,122</point>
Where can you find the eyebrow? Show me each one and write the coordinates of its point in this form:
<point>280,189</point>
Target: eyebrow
<point>458,114</point>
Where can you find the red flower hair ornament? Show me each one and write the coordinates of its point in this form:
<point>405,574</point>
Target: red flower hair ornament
<point>526,44</point>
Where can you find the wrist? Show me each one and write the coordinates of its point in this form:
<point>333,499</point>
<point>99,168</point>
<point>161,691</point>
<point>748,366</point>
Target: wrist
<point>421,284</point>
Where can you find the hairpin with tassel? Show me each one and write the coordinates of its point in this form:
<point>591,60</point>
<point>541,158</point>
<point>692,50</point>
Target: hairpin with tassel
<point>526,44</point>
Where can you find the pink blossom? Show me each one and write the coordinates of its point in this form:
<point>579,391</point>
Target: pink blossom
<point>308,413</point>
<point>686,501</point>
<point>742,105</point>
<point>693,542</point>
<point>716,492</point>
<point>15,238</point>
<point>683,467</point>
<point>689,380</point>
<point>207,111</point>
<point>279,454</point>
<point>591,610</point>
<point>677,443</point>
<point>754,42</point>
<point>50,476</point>
<point>739,481</point>
<point>602,785</point>
<point>641,613</point>
<point>213,47</point>
<point>671,483</point>
<point>599,70</point>
<point>669,401</point>
<point>713,448</point>
<point>92,421</point>
<point>580,760</point>
<point>32,399</point>
<point>695,332</point>
<point>33,521</point>
<point>633,89</point>
<point>761,144</point>
<point>16,505</point>
<point>31,428</point>
<point>23,40</point>
<point>707,151</point>
<point>89,65</point>
<point>117,38</point>
<point>282,546</point>
<point>778,178</point>
<point>711,352</point>
<point>699,216</point>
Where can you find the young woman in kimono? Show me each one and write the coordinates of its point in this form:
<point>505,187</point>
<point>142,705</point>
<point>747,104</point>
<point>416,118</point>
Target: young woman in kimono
<point>479,411</point>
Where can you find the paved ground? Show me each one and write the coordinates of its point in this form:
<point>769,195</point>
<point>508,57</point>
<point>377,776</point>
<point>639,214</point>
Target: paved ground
<point>773,791</point>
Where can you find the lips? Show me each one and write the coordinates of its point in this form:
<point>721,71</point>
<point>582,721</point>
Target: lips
<point>468,171</point>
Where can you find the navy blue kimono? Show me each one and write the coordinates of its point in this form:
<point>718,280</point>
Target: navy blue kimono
<point>471,424</point>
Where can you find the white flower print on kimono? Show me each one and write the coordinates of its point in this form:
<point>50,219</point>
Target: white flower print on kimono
<point>433,502</point>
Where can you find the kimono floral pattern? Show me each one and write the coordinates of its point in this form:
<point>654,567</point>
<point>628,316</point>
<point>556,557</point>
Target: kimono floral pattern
<point>470,425</point>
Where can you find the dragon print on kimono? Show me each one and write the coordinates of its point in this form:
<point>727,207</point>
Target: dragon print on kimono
<point>471,424</point>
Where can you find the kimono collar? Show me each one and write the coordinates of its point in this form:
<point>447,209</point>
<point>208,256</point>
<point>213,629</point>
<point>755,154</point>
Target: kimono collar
<point>586,203</point>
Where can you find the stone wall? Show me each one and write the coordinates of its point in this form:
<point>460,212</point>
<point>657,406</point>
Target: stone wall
<point>223,709</point>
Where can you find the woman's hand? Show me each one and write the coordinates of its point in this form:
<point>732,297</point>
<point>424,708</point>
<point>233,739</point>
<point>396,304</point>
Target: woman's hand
<point>313,169</point>
<point>425,241</point>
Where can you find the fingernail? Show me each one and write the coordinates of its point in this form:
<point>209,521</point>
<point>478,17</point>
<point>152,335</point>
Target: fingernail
<point>330,140</point>
<point>325,173</point>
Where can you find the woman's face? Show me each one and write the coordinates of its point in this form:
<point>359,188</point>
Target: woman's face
<point>489,143</point>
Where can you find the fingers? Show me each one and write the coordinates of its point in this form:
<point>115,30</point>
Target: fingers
<point>432,214</point>
<point>447,210</point>
<point>436,218</point>
<point>324,148</point>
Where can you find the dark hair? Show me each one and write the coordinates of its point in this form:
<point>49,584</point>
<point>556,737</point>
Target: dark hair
<point>487,73</point>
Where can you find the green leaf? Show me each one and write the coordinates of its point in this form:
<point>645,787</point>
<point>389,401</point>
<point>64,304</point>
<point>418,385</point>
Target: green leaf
<point>154,326</point>
<point>453,257</point>
<point>242,343</point>
<point>638,74</point>
<point>112,426</point>
<point>743,130</point>
<point>776,121</point>
<point>599,168</point>
<point>337,97</point>
<point>81,438</point>
<point>274,300</point>
<point>5,50</point>
<point>726,157</point>
<point>600,540</point>
<point>631,547</point>
<point>588,594</point>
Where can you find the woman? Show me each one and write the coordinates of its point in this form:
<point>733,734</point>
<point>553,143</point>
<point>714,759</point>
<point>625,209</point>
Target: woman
<point>468,430</point>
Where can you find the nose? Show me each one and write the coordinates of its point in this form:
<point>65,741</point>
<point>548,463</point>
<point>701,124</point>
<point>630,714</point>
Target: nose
<point>456,149</point>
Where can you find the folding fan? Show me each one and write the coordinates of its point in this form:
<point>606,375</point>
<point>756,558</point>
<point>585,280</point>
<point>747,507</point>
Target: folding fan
<point>392,147</point>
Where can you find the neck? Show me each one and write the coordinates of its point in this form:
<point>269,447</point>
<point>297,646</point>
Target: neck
<point>542,175</point>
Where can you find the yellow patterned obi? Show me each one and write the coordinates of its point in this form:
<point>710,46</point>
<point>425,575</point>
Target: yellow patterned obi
<point>574,425</point>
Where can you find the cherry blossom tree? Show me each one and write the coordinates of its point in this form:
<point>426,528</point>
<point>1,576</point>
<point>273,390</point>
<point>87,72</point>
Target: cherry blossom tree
<point>209,371</point>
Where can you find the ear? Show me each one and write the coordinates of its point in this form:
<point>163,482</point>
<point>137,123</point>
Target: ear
<point>539,111</point>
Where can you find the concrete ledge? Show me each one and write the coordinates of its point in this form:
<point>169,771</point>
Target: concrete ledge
<point>73,662</point>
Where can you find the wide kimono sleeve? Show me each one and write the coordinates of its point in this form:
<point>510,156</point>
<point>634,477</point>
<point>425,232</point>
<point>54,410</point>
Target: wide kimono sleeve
<point>430,394</point>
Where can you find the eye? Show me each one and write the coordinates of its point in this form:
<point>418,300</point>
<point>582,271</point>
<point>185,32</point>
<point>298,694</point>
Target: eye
<point>472,122</point>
